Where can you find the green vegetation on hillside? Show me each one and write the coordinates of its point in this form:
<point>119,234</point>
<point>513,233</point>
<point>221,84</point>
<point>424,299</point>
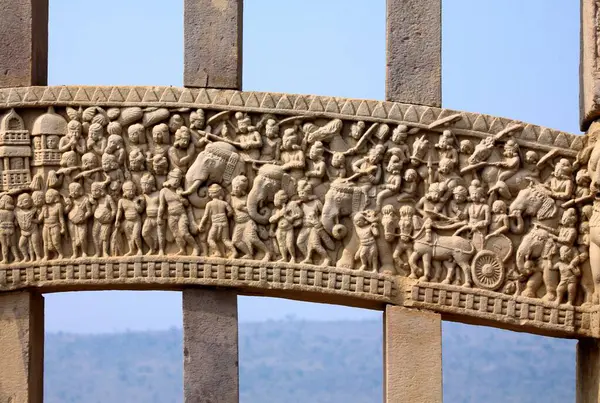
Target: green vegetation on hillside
<point>297,361</point>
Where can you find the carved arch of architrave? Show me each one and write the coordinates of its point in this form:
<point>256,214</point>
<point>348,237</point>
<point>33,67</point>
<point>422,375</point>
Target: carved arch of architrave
<point>496,298</point>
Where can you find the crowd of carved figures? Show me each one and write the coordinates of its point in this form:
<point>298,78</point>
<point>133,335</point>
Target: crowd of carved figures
<point>425,203</point>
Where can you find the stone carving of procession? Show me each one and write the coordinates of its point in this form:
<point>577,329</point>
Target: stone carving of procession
<point>421,202</point>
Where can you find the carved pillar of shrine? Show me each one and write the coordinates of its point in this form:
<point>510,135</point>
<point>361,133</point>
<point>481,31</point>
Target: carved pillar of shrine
<point>413,339</point>
<point>24,39</point>
<point>22,347</point>
<point>212,59</point>
<point>412,355</point>
<point>588,350</point>
<point>23,62</point>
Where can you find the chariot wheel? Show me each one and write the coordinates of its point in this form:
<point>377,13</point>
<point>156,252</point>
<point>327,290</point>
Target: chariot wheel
<point>488,270</point>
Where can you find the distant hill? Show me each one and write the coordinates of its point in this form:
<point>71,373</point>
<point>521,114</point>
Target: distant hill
<point>297,361</point>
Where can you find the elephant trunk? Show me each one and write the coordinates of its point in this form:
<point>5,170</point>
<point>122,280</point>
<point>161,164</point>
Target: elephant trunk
<point>330,221</point>
<point>255,198</point>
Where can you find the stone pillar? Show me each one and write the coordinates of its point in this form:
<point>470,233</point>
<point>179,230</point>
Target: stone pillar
<point>210,346</point>
<point>588,371</point>
<point>21,347</point>
<point>412,342</point>
<point>213,44</point>
<point>414,52</point>
<point>23,43</point>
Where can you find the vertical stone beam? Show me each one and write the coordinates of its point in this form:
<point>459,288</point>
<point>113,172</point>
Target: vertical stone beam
<point>213,44</point>
<point>589,68</point>
<point>588,371</point>
<point>23,43</point>
<point>412,342</point>
<point>414,52</point>
<point>21,347</point>
<point>210,346</point>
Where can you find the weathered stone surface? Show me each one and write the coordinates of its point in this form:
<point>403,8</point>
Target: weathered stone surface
<point>588,371</point>
<point>356,202</point>
<point>412,356</point>
<point>210,343</point>
<point>414,52</point>
<point>213,43</point>
<point>21,347</point>
<point>23,43</point>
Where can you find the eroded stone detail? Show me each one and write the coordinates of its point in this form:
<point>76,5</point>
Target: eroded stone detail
<point>277,180</point>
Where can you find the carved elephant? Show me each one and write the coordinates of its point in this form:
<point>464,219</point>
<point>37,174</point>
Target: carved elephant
<point>219,163</point>
<point>268,181</point>
<point>344,199</point>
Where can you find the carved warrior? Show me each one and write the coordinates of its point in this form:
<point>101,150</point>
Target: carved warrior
<point>430,202</point>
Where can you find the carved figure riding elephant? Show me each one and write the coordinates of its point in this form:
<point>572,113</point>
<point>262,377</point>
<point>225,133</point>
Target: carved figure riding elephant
<point>342,201</point>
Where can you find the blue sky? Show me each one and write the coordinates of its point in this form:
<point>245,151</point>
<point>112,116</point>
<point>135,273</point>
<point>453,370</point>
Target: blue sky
<point>512,58</point>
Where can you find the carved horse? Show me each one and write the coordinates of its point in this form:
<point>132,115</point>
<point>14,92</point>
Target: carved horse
<point>449,250</point>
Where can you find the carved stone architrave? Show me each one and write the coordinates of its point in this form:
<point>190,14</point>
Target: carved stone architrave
<point>357,202</point>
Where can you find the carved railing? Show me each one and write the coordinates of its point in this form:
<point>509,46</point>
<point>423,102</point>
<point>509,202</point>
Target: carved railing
<point>480,218</point>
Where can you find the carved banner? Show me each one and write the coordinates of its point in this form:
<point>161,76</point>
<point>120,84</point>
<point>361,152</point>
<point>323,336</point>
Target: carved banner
<point>359,202</point>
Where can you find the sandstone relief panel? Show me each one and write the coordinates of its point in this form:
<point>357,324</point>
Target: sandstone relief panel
<point>433,200</point>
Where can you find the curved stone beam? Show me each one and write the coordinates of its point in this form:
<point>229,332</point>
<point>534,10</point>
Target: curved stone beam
<point>502,305</point>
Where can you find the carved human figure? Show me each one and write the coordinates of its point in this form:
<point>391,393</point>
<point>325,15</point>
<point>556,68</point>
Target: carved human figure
<point>217,213</point>
<point>96,141</point>
<point>152,235</point>
<point>338,165</point>
<point>292,156</point>
<point>198,131</point>
<point>508,168</point>
<point>72,141</point>
<point>393,181</point>
<point>569,276</point>
<point>27,218</point>
<point>271,142</point>
<point>136,134</point>
<point>175,123</point>
<point>172,209</point>
<point>182,152</point>
<point>365,225</point>
<point>78,209</point>
<point>317,168</point>
<point>309,204</point>
<point>408,224</point>
<point>410,186</point>
<point>160,139</point>
<point>129,209</point>
<point>499,222</point>
<point>317,236</point>
<point>115,147</point>
<point>583,245</point>
<point>561,184</point>
<point>367,170</point>
<point>7,229</point>
<point>583,194</point>
<point>248,137</point>
<point>137,167</point>
<point>478,213</point>
<point>447,147</point>
<point>104,210</point>
<point>285,219</point>
<point>245,231</point>
<point>67,172</point>
<point>113,173</point>
<point>52,142</point>
<point>53,217</point>
<point>565,235</point>
<point>431,208</point>
<point>399,148</point>
<point>90,171</point>
<point>457,208</point>
<point>160,168</point>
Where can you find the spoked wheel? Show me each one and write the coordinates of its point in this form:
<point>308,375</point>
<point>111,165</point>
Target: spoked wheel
<point>488,271</point>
